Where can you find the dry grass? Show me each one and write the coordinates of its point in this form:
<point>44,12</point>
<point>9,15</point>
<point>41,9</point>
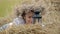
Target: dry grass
<point>24,29</point>
<point>33,29</point>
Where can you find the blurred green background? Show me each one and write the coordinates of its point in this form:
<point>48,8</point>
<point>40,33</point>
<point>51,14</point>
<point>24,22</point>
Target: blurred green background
<point>6,7</point>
